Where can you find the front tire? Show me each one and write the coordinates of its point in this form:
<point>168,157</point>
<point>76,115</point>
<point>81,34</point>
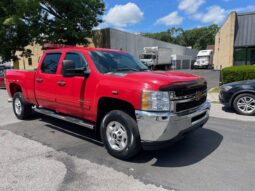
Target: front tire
<point>244,104</point>
<point>22,110</point>
<point>120,135</point>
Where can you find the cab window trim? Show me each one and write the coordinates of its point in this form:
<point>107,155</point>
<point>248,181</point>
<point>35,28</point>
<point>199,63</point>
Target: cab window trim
<point>80,54</point>
<point>51,52</point>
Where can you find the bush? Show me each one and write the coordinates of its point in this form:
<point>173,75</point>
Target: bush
<point>238,73</point>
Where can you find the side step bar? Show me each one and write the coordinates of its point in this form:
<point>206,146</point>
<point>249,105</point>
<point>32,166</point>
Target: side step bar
<point>74,120</point>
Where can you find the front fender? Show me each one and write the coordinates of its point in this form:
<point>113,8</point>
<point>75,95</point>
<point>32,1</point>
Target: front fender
<point>119,90</point>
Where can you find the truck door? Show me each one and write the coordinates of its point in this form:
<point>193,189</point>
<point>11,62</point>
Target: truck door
<point>70,97</point>
<point>45,80</point>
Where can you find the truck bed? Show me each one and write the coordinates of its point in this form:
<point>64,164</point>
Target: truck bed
<point>25,79</point>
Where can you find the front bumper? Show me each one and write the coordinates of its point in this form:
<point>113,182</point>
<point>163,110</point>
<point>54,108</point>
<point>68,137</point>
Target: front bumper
<point>155,127</point>
<point>201,66</point>
<point>225,98</point>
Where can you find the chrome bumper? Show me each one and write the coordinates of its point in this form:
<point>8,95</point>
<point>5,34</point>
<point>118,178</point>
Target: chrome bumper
<point>164,126</point>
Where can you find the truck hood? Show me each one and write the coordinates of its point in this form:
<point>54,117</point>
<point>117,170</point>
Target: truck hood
<point>158,79</point>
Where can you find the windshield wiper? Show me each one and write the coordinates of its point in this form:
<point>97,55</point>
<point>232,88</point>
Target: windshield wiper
<point>126,69</point>
<point>144,69</point>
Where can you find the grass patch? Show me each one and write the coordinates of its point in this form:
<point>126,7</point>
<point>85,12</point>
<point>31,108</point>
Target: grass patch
<point>214,90</point>
<point>216,102</point>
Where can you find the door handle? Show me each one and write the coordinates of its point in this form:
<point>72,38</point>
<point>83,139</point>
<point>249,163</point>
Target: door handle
<point>61,83</point>
<point>39,80</point>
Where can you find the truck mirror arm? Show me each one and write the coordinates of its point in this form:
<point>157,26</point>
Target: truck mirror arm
<point>86,72</point>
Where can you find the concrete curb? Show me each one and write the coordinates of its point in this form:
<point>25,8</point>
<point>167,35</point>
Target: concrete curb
<point>219,111</point>
<point>213,96</point>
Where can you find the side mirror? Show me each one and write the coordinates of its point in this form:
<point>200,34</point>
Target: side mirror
<point>69,70</point>
<point>86,73</point>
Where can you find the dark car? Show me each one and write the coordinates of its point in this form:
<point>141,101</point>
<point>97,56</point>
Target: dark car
<point>2,84</point>
<point>239,96</point>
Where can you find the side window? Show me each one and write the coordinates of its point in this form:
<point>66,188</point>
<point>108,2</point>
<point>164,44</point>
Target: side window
<point>30,61</point>
<point>77,58</point>
<point>50,63</point>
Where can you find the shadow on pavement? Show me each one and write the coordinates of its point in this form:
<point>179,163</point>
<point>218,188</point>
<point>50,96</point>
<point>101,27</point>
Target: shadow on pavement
<point>190,150</point>
<point>227,109</point>
<point>72,129</point>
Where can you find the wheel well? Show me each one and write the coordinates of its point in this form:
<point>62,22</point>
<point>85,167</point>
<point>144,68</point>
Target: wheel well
<point>106,105</point>
<point>239,93</point>
<point>15,88</point>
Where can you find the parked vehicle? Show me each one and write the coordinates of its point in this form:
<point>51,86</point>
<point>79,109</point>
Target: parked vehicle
<point>111,92</point>
<point>204,59</point>
<point>156,57</point>
<point>2,83</point>
<point>181,62</point>
<point>240,96</point>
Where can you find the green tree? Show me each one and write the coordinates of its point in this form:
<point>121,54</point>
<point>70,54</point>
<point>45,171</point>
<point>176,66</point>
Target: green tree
<point>197,38</point>
<point>69,22</point>
<point>54,21</point>
<point>163,36</point>
<point>17,18</point>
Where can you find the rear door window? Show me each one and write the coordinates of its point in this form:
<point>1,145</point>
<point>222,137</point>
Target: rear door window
<point>50,63</point>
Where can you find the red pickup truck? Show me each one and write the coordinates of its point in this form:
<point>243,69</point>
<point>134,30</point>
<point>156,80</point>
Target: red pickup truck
<point>111,92</point>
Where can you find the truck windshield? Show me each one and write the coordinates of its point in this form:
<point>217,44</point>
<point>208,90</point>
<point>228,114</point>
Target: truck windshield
<point>112,62</point>
<point>202,57</point>
<point>147,56</point>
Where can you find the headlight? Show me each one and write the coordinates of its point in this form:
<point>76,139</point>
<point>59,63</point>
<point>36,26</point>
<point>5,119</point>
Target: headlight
<point>226,88</point>
<point>155,101</point>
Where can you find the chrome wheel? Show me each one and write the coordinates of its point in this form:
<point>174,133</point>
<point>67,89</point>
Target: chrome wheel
<point>116,136</point>
<point>246,104</point>
<point>18,107</point>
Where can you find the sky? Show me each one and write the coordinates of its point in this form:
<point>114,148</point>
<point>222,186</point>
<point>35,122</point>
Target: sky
<point>160,15</point>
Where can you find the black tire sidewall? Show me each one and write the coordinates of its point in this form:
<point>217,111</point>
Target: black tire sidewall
<point>18,95</point>
<point>236,100</point>
<point>133,146</point>
<point>26,108</point>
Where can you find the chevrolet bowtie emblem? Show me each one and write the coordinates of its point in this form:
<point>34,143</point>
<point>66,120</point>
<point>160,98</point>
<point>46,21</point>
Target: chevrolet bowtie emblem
<point>198,95</point>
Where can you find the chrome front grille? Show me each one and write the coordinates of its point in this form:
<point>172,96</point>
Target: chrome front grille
<point>187,102</point>
<point>186,96</point>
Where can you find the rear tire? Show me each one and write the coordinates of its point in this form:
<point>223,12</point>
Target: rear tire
<point>120,135</point>
<point>22,110</point>
<point>244,104</point>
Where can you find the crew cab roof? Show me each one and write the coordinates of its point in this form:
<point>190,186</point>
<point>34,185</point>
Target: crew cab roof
<point>72,48</point>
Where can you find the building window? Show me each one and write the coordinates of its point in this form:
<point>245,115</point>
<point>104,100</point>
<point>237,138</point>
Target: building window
<point>244,56</point>
<point>251,55</point>
<point>239,56</point>
<point>30,61</point>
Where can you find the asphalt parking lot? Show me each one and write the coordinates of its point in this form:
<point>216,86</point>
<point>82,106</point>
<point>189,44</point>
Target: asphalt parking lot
<point>212,76</point>
<point>218,157</point>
